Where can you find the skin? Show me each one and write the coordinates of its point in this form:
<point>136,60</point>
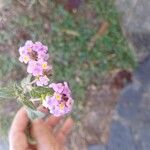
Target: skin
<point>42,131</point>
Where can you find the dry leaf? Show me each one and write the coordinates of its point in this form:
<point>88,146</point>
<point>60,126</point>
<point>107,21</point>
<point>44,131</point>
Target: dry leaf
<point>101,32</point>
<point>70,32</point>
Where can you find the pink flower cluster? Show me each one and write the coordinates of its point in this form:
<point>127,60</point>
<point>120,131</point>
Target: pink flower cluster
<point>35,55</point>
<point>60,102</point>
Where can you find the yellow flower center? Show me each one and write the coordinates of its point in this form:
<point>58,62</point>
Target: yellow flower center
<point>58,97</point>
<point>43,97</point>
<point>44,65</point>
<point>61,106</point>
<point>26,59</point>
<point>29,49</point>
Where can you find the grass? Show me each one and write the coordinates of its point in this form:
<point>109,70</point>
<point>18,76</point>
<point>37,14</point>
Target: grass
<point>67,37</point>
<point>6,66</point>
<point>5,125</point>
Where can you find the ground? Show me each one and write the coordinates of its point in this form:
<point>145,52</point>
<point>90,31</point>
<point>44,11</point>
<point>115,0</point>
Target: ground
<point>88,50</point>
<point>130,125</point>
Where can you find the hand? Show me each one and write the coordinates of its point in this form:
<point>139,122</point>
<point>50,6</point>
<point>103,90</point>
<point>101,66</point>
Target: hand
<point>41,130</point>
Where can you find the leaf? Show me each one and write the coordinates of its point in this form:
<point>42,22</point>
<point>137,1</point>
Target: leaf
<point>18,90</point>
<point>27,103</point>
<point>26,81</point>
<point>22,97</point>
<point>35,114</point>
<point>37,92</point>
<point>7,92</point>
<point>100,33</point>
<point>71,32</point>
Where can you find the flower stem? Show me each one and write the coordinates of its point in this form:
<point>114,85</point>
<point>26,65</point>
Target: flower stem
<point>35,99</point>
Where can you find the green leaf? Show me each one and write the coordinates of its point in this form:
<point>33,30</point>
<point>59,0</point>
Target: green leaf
<point>35,114</point>
<point>7,92</point>
<point>26,81</point>
<point>37,92</point>
<point>27,103</point>
<point>22,97</point>
<point>18,90</point>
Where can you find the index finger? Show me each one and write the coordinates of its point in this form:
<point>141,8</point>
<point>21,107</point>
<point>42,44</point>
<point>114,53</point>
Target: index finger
<point>20,122</point>
<point>17,131</point>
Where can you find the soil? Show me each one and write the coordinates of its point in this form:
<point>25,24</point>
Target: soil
<point>99,107</point>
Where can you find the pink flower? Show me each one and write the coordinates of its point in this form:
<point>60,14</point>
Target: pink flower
<point>35,55</point>
<point>29,43</point>
<point>43,80</point>
<point>35,68</point>
<point>24,56</point>
<point>61,87</point>
<point>43,56</point>
<point>39,47</point>
<point>61,102</point>
<point>57,87</point>
<point>33,51</point>
<point>66,89</point>
<point>41,51</point>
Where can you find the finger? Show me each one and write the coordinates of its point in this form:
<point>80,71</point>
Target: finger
<point>18,142</point>
<point>52,121</point>
<point>20,121</point>
<point>17,131</point>
<point>41,133</point>
<point>65,130</point>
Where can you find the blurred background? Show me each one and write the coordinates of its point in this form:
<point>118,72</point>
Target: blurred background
<point>95,45</point>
